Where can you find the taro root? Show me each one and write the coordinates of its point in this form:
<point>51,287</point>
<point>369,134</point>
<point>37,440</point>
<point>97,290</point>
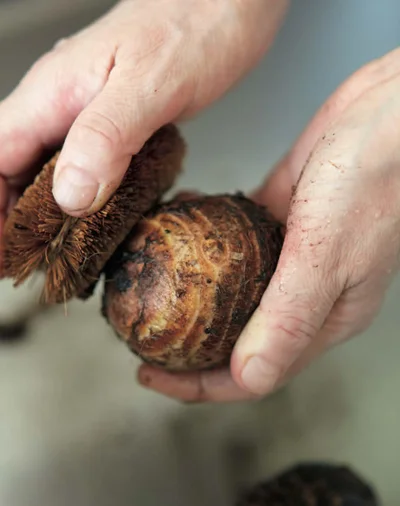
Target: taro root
<point>72,252</point>
<point>317,484</point>
<point>183,285</point>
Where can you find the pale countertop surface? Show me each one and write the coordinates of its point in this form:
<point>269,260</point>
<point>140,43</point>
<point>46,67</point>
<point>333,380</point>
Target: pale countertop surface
<point>74,426</point>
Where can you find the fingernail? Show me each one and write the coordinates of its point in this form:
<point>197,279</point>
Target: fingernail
<point>75,189</point>
<point>257,376</point>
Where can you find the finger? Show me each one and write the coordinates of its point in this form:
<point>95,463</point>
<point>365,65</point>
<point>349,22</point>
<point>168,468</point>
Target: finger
<point>41,109</point>
<point>211,386</point>
<point>105,136</point>
<point>322,342</point>
<point>25,128</point>
<point>292,312</point>
<point>300,296</point>
<point>19,143</point>
<point>325,340</point>
<point>350,315</point>
<point>31,118</point>
<point>353,313</point>
<point>277,189</point>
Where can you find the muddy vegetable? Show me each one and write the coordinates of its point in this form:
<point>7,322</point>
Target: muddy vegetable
<point>318,484</point>
<point>181,288</point>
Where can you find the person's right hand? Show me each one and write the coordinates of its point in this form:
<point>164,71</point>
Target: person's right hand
<point>110,86</point>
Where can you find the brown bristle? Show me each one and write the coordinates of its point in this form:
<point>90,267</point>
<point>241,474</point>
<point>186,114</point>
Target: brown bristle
<point>74,251</point>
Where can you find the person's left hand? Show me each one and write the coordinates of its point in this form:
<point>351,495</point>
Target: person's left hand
<point>341,247</point>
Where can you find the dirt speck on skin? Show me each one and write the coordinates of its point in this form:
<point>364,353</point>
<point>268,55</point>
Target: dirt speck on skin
<point>299,201</point>
<point>335,165</point>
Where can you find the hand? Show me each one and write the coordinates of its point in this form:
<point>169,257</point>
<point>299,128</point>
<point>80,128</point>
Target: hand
<point>110,86</point>
<point>341,246</point>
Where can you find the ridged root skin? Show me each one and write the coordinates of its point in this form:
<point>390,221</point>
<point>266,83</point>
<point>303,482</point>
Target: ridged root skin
<point>181,288</point>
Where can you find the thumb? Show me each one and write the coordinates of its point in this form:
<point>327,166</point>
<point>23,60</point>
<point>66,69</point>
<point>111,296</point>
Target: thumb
<point>101,143</point>
<point>291,314</point>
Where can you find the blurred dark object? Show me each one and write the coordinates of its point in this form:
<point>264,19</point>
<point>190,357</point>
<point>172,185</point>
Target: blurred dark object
<point>313,484</point>
<point>18,311</point>
<point>14,331</point>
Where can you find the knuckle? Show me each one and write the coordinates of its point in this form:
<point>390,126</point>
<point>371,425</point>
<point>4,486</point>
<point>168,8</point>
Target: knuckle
<point>40,69</point>
<point>158,50</point>
<point>151,39</point>
<point>60,45</point>
<point>106,131</point>
<point>297,331</point>
<point>294,318</point>
<point>155,36</point>
<point>327,271</point>
<point>43,61</point>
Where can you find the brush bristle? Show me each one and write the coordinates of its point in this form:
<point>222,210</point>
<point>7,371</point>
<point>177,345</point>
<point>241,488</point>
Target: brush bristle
<point>72,251</point>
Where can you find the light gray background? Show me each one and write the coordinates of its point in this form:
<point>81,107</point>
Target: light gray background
<point>74,427</point>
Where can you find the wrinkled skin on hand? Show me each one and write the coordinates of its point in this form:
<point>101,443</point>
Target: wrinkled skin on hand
<point>342,241</point>
<point>110,86</point>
